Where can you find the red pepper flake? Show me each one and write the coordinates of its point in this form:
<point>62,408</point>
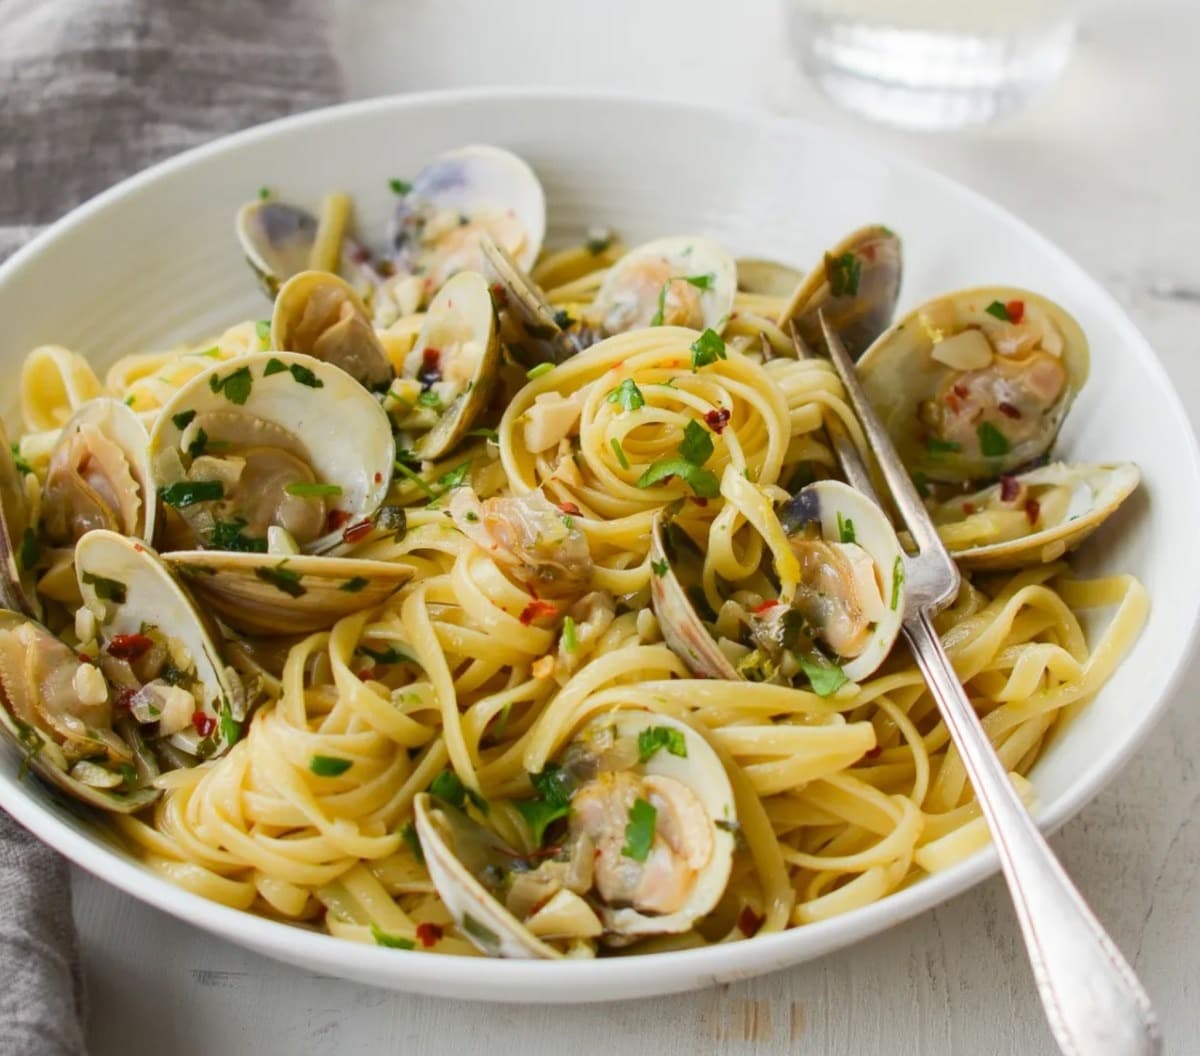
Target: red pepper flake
<point>378,478</point>
<point>1032,510</point>
<point>570,509</point>
<point>429,934</point>
<point>961,391</point>
<point>536,609</point>
<point>356,532</point>
<point>124,696</point>
<point>205,724</point>
<point>371,674</point>
<point>499,295</point>
<point>952,402</point>
<point>139,548</point>
<point>968,508</point>
<point>334,519</point>
<point>766,606</point>
<point>129,646</point>
<point>868,251</point>
<point>749,922</point>
<point>1010,488</point>
<point>874,753</point>
<point>1008,409</point>
<point>717,419</point>
<point>84,658</point>
<point>1016,311</point>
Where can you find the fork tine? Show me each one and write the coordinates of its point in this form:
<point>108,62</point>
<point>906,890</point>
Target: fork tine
<point>904,493</point>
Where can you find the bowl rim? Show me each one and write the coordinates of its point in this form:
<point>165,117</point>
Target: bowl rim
<point>452,975</point>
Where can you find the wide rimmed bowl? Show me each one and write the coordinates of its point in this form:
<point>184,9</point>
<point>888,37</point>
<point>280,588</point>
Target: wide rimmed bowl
<point>154,260</point>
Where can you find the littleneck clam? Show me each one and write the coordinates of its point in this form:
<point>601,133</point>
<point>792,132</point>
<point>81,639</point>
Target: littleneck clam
<point>19,548</point>
<point>277,240</point>
<point>680,281</point>
<point>767,278</point>
<point>156,647</point>
<point>319,314</point>
<point>1033,517</point>
<point>265,464</point>
<point>646,848</point>
<point>856,287</point>
<point>529,329</point>
<point>448,375</point>
<point>60,710</point>
<point>976,383</point>
<point>99,476</point>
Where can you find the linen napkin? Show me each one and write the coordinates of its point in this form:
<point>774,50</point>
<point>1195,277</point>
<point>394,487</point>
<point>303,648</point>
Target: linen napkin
<point>92,91</point>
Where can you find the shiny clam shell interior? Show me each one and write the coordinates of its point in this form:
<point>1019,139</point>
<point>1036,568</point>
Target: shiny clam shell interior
<point>528,327</point>
<point>277,240</point>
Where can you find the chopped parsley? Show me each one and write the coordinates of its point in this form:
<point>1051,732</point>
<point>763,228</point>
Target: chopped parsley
<point>660,568</point>
<point>231,729</point>
<point>657,318</point>
<point>392,942</point>
<point>845,528</point>
<point>329,765</point>
<point>456,477</point>
<point>409,834</point>
<point>825,677</point>
<point>992,442</point>
<point>399,186</point>
<point>106,589</point>
<point>921,483</point>
<point>298,371</point>
<point>185,493</point>
<point>353,586</point>
<point>480,932</point>
<point>628,395</point>
<point>228,535</point>
<point>569,639</point>
<point>22,465</point>
<point>697,445</point>
<point>703,482</point>
<point>263,329</point>
<point>654,738</point>
<point>706,349</point>
<point>897,581</point>
<point>430,399</point>
<point>639,832</point>
<point>937,448</point>
<point>183,419</point>
<point>406,470</point>
<point>539,371</point>
<point>274,366</point>
<point>562,318</point>
<point>282,578</point>
<point>486,434</point>
<point>998,310</point>
<point>619,451</point>
<point>197,447</point>
<point>448,786</point>
<point>390,655</point>
<point>843,273</point>
<point>701,282</point>
<point>553,800</point>
<point>598,241</point>
<point>303,490</point>
<point>236,386</point>
<point>31,550</point>
<point>264,193</point>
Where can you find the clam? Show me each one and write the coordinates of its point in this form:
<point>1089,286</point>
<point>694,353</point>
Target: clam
<point>19,548</point>
<point>266,463</point>
<point>529,327</point>
<point>277,240</point>
<point>681,281</point>
<point>59,709</point>
<point>1033,517</point>
<point>319,314</point>
<point>849,602</point>
<point>856,285</point>
<point>976,383</point>
<point>450,370</point>
<point>646,848</point>
<point>99,476</point>
<point>767,278</point>
<point>455,199</point>
<point>157,646</point>
<point>682,628</point>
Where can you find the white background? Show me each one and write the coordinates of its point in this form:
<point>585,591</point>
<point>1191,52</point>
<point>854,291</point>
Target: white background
<point>1108,165</point>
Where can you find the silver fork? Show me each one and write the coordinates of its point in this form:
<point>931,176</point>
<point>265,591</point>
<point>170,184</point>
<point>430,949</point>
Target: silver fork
<point>1093,1000</point>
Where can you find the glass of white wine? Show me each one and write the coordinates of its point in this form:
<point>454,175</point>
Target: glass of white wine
<point>933,64</point>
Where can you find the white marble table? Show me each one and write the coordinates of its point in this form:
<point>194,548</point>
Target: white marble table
<point>1107,166</point>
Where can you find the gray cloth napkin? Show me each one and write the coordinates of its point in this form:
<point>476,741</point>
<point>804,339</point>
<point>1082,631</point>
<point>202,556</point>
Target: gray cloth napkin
<point>92,91</point>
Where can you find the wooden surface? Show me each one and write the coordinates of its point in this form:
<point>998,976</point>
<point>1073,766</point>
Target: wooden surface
<point>1106,165</point>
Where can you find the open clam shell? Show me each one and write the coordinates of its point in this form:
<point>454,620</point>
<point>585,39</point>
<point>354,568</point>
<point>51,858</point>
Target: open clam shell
<point>272,440</point>
<point>273,595</point>
<point>320,315</point>
<point>680,281</point>
<point>58,709</point>
<point>976,383</point>
<point>528,326</point>
<point>18,538</point>
<point>99,476</point>
<point>856,285</point>
<point>851,594</point>
<point>277,240</point>
<point>1033,517</point>
<point>620,766</point>
<point>767,278</point>
<point>453,364</point>
<point>682,628</point>
<point>133,594</point>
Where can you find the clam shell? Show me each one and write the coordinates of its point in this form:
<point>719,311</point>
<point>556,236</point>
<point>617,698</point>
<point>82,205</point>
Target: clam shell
<point>528,327</point>
<point>18,585</point>
<point>767,278</point>
<point>277,240</point>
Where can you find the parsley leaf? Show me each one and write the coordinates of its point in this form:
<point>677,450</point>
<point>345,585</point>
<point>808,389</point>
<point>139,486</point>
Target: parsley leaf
<point>456,477</point>
<point>183,419</point>
<point>824,675</point>
<point>329,765</point>
<point>701,282</point>
<point>263,329</point>
<point>998,310</point>
<point>106,589</point>
<point>235,386</point>
<point>304,376</point>
<point>992,442</point>
<point>395,942</point>
<point>897,581</point>
<point>845,528</point>
<point>31,550</point>
<point>842,273</point>
<point>448,786</point>
<point>430,399</point>
<point>185,493</point>
<point>703,482</point>
<point>706,349</point>
<point>228,535</point>
<point>22,465</point>
<point>303,490</point>
<point>619,451</point>
<point>354,584</point>
<point>937,448</point>
<point>282,578</point>
<point>639,833</point>
<point>390,655</point>
<point>628,395</point>
<point>657,318</point>
<point>697,445</point>
<point>535,372</point>
<point>570,640</point>
<point>231,729</point>
<point>399,186</point>
<point>654,738</point>
<point>413,841</point>
<point>660,568</point>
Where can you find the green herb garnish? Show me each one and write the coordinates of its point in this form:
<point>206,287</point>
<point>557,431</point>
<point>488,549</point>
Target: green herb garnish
<point>701,282</point>
<point>824,675</point>
<point>399,186</point>
<point>228,535</point>
<point>998,310</point>
<point>106,589</point>
<point>937,448</point>
<point>235,386</point>
<point>569,640</point>
<point>30,552</point>
<point>430,399</point>
<point>409,834</point>
<point>639,832</point>
<point>263,329</point>
<point>703,482</point>
<point>456,477</point>
<point>353,586</point>
<point>653,739</point>
<point>22,465</point>
<point>282,578</point>
<point>389,655</point>
<point>231,729</point>
<point>183,419</point>
<point>992,442</point>
<point>553,801</point>
<point>303,490</point>
<point>897,581</point>
<point>697,445</point>
<point>628,395</point>
<point>394,942</point>
<point>706,349</point>
<point>660,568</point>
<point>541,369</point>
<point>329,765</point>
<point>619,451</point>
<point>657,318</point>
<point>843,273</point>
<point>845,528</point>
<point>186,493</point>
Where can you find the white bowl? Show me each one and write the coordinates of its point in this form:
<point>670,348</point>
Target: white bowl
<point>154,260</point>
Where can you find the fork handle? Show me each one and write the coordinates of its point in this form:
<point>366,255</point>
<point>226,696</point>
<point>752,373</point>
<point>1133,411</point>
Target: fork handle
<point>1092,998</point>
